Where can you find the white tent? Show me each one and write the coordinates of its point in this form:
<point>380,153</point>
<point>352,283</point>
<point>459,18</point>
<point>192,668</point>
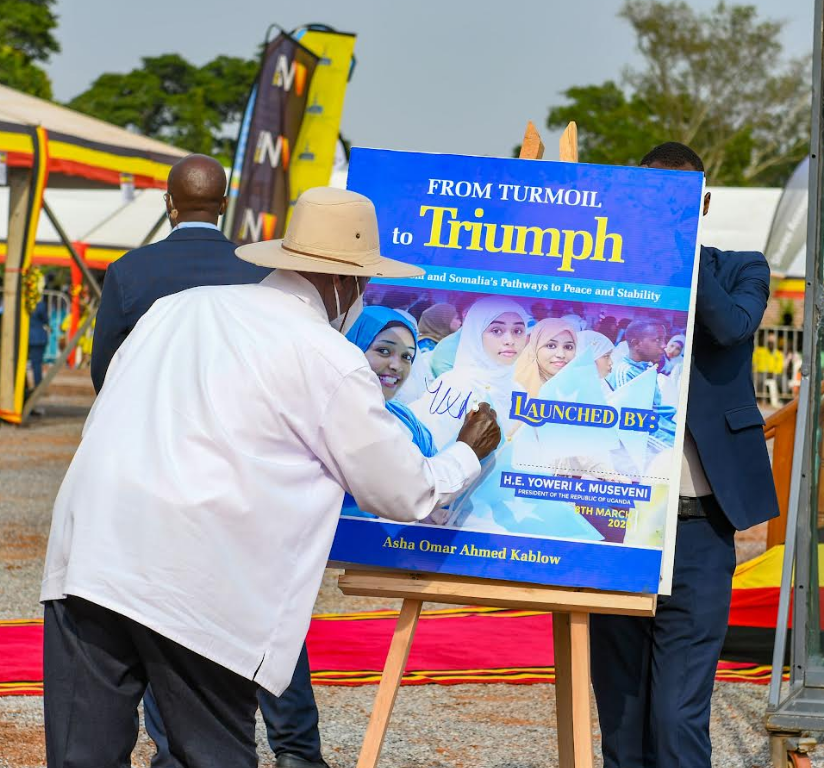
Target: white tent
<point>786,248</point>
<point>103,219</point>
<point>94,216</point>
<point>739,217</point>
<point>99,219</point>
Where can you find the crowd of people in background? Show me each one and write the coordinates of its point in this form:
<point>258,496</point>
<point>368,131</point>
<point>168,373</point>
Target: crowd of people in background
<point>450,335</point>
<point>776,364</point>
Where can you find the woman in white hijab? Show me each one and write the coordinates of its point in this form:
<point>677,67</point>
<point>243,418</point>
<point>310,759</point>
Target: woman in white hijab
<point>669,380</point>
<point>674,353</point>
<point>602,349</point>
<point>492,337</point>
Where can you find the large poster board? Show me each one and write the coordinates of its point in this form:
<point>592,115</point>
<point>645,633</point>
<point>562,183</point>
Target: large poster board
<point>561,294</point>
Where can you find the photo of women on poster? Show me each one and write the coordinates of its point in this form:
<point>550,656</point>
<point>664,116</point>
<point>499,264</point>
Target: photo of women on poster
<point>501,349</point>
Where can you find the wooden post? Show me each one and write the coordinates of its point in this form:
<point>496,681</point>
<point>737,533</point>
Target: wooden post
<point>20,184</point>
<point>572,699</point>
<point>25,194</point>
<point>390,682</point>
<point>782,469</point>
<point>568,144</point>
<point>532,148</point>
<point>563,687</point>
<point>780,428</point>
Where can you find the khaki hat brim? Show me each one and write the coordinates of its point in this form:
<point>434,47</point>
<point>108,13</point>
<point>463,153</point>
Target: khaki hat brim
<point>271,253</point>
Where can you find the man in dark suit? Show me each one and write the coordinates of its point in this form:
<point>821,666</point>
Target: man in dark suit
<point>196,254</point>
<point>653,678</point>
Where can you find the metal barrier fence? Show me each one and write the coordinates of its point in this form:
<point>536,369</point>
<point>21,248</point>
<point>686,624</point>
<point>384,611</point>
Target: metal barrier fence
<point>58,306</point>
<point>776,364</point>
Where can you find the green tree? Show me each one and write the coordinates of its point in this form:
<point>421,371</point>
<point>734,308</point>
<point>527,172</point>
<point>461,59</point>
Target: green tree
<point>173,100</point>
<point>26,40</point>
<point>718,81</point>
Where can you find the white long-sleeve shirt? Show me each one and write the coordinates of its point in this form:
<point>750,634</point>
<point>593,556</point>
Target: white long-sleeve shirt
<point>203,498</point>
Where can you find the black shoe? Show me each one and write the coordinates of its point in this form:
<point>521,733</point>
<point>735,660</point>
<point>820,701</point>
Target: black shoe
<point>286,760</point>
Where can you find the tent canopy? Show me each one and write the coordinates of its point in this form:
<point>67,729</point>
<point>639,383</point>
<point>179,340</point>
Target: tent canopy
<point>739,217</point>
<point>101,222</point>
<point>82,151</point>
<point>786,248</point>
<point>98,221</point>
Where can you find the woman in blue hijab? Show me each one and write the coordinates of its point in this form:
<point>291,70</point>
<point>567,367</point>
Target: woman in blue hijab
<point>389,341</point>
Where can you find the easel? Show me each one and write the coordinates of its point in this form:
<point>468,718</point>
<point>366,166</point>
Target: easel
<point>570,609</point>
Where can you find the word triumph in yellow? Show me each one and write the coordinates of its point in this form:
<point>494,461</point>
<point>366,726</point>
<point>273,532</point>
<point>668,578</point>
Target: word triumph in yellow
<point>569,245</point>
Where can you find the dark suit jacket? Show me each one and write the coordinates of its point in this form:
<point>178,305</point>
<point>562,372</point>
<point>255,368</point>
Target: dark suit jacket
<point>733,288</point>
<point>38,335</point>
<point>187,258</point>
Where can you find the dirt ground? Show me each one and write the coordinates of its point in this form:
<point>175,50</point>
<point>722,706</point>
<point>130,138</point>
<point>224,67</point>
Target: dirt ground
<point>442,727</point>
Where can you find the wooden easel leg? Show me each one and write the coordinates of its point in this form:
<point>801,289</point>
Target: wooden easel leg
<point>563,689</point>
<point>390,682</point>
<point>572,698</point>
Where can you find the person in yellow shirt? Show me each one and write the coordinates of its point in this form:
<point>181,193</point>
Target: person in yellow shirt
<point>768,364</point>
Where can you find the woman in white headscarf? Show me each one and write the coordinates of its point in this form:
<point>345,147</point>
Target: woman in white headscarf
<point>602,349</point>
<point>492,337</point>
<point>674,353</point>
<point>487,506</point>
<point>669,379</point>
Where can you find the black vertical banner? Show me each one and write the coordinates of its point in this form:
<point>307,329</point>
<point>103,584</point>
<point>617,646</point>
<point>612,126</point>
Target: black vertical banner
<point>259,190</point>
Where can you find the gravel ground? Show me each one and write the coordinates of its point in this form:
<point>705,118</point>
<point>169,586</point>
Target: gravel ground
<point>496,726</point>
<point>433,726</point>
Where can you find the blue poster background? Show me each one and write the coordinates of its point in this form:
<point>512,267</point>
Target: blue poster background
<point>653,216</point>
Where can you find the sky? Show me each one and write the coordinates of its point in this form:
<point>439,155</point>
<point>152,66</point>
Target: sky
<point>460,76</point>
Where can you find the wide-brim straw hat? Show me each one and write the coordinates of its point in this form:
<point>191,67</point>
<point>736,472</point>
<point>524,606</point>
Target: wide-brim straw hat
<point>333,232</point>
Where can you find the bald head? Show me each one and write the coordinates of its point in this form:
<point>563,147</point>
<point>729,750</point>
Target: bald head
<point>197,188</point>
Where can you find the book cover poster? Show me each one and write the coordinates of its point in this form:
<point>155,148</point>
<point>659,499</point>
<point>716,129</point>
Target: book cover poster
<point>560,294</point>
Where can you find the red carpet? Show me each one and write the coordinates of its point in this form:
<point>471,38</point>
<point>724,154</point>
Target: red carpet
<point>21,658</point>
<point>452,646</point>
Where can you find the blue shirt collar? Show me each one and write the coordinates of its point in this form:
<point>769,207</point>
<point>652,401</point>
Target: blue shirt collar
<point>190,224</point>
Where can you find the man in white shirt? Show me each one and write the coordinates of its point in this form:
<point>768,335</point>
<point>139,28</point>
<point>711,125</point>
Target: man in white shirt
<point>192,528</point>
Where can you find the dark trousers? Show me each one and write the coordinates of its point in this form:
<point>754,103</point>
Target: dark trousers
<point>96,666</point>
<point>36,353</point>
<point>291,719</point>
<point>653,678</point>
